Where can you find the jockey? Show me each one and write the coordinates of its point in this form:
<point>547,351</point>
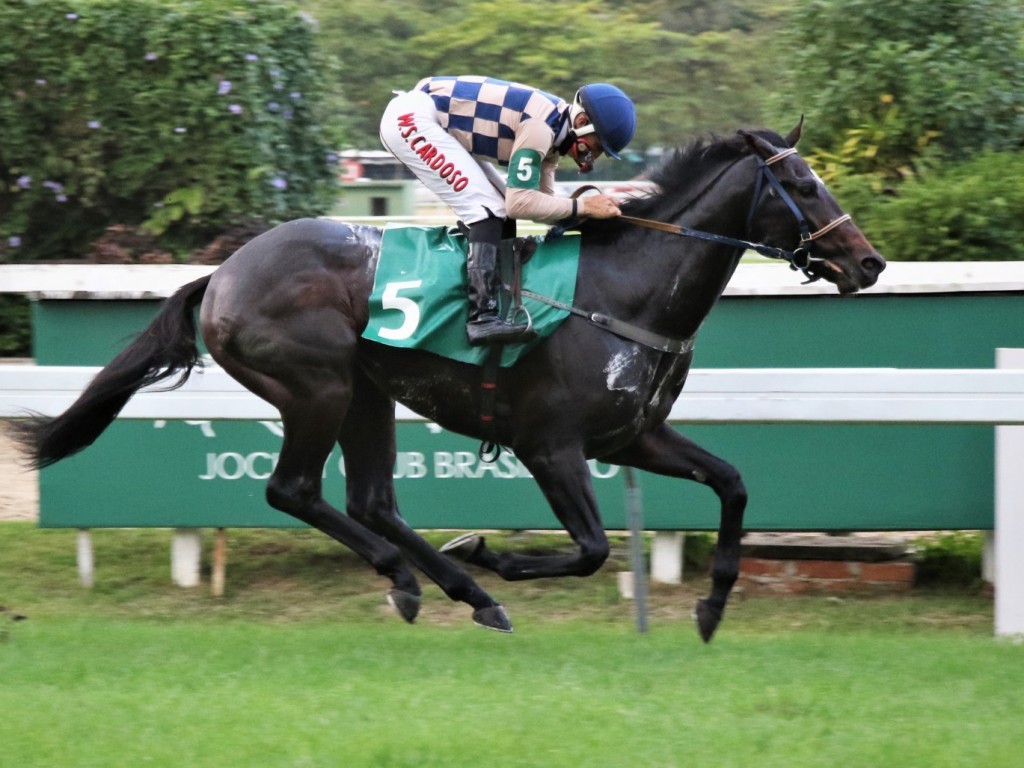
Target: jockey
<point>449,131</point>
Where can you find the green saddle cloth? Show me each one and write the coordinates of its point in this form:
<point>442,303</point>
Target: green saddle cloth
<point>419,292</point>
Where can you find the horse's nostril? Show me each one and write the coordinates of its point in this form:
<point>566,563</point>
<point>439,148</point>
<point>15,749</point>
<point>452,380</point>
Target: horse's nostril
<point>873,264</point>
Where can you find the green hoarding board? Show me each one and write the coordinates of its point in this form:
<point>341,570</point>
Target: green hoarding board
<point>800,477</point>
<point>205,474</point>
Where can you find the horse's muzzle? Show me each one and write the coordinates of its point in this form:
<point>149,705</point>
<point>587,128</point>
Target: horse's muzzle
<point>851,275</point>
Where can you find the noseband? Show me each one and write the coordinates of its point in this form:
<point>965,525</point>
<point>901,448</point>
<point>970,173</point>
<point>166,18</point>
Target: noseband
<point>802,257</point>
<point>799,259</point>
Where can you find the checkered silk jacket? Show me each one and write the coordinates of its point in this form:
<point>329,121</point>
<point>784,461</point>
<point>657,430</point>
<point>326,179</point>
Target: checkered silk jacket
<point>486,115</point>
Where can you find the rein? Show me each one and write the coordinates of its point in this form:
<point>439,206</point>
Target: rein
<point>799,259</point>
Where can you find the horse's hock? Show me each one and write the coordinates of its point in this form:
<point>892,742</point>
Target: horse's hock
<point>801,564</point>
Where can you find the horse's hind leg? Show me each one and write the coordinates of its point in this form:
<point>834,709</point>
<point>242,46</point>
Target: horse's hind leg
<point>368,443</point>
<point>666,452</point>
<point>311,426</point>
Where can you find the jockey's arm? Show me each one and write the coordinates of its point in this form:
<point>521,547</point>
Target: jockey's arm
<point>530,188</point>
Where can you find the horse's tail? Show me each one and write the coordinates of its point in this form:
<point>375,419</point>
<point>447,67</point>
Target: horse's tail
<point>166,347</point>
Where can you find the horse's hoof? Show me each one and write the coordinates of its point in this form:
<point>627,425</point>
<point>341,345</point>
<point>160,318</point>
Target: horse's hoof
<point>407,605</point>
<point>463,547</point>
<point>493,617</point>
<point>707,619</point>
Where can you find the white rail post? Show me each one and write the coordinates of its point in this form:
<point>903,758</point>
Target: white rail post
<point>667,557</point>
<point>1009,516</point>
<point>988,558</point>
<point>186,551</point>
<point>86,562</point>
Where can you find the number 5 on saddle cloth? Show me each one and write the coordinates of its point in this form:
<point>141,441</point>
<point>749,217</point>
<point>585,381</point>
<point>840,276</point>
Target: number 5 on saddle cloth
<point>419,296</point>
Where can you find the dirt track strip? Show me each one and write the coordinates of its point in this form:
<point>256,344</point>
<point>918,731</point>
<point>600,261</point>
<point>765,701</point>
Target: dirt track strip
<point>19,490</point>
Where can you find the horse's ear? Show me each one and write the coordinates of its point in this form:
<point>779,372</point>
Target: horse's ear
<point>758,145</point>
<point>794,135</point>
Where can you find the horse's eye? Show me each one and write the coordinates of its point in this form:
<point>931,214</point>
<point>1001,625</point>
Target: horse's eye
<point>807,188</point>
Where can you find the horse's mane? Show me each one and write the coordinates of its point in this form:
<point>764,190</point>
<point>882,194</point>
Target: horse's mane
<point>680,177</point>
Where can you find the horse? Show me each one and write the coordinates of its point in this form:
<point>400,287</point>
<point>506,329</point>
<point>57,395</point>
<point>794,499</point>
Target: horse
<point>283,316</point>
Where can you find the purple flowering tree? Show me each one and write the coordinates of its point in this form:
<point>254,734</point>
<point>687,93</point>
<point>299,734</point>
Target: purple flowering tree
<point>172,117</point>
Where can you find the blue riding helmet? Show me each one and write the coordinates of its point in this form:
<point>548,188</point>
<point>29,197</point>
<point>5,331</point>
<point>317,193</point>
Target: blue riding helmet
<point>612,114</point>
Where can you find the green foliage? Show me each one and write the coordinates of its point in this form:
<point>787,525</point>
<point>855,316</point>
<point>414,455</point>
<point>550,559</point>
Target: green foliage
<point>696,16</point>
<point>15,326</point>
<point>182,115</point>
<point>970,211</point>
<point>865,151</point>
<point>687,66</point>
<point>915,119</point>
<point>950,559</point>
<point>176,206</point>
<point>698,549</point>
<point>906,74</point>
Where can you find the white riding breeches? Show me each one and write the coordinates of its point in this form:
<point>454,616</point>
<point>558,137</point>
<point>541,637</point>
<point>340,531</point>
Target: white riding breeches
<point>410,130</point>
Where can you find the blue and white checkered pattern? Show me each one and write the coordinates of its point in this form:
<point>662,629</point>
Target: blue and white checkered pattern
<point>483,114</point>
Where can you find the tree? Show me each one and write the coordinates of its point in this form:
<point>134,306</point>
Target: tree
<point>688,68</point>
<point>369,41</point>
<point>882,80</point>
<point>183,117</point>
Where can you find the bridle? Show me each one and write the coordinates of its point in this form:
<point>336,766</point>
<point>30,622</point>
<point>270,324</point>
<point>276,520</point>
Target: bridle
<point>800,258</point>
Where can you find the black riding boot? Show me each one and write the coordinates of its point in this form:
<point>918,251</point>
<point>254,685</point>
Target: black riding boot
<point>486,326</point>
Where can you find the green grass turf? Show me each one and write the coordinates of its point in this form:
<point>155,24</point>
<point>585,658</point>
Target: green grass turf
<point>301,664</point>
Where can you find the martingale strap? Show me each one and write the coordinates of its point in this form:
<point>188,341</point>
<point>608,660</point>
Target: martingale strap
<point>621,328</point>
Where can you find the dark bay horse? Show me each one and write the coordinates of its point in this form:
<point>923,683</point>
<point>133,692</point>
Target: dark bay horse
<point>284,315</point>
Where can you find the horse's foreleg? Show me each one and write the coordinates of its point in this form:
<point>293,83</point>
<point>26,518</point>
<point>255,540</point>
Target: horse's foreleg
<point>666,452</point>
<point>368,443</point>
<point>310,430</point>
<point>564,478</point>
